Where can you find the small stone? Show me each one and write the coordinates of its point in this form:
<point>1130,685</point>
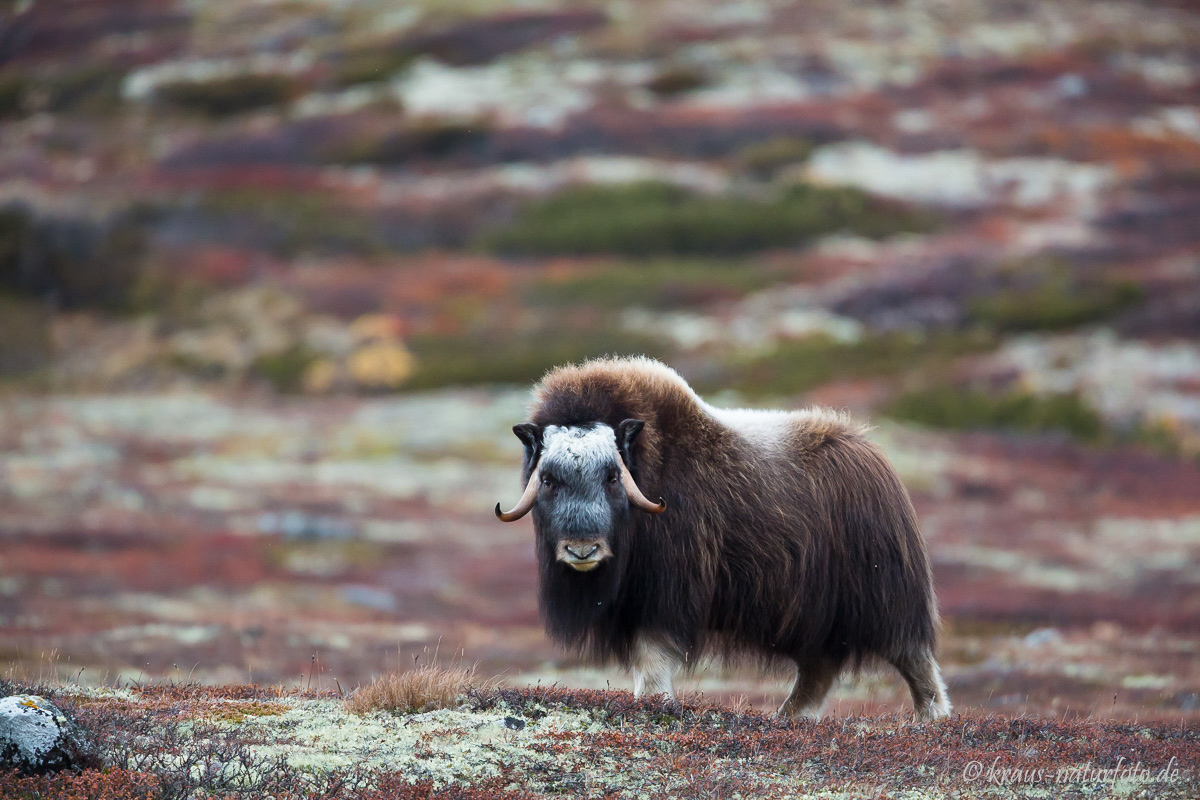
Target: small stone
<point>36,737</point>
<point>1043,636</point>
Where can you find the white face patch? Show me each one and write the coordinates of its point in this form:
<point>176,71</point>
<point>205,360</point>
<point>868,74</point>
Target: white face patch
<point>587,450</point>
<point>580,459</point>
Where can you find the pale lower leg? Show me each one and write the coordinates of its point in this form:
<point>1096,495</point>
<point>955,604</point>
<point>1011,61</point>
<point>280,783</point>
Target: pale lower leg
<point>654,666</point>
<point>813,680</point>
<point>924,678</point>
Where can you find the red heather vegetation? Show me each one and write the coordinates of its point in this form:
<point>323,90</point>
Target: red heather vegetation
<point>111,784</point>
<point>693,749</point>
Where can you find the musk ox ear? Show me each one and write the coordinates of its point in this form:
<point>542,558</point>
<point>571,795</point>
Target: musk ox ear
<point>627,432</point>
<point>530,436</point>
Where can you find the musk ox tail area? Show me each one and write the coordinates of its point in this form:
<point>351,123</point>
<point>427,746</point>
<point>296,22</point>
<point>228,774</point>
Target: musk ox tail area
<point>877,587</point>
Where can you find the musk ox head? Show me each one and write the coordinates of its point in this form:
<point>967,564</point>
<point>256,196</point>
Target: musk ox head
<point>579,488</point>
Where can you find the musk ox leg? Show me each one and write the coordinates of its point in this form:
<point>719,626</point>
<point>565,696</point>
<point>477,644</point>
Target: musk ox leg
<point>655,663</point>
<point>813,679</point>
<point>924,678</point>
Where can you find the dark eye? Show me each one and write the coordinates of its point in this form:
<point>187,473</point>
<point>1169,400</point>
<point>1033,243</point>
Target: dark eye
<point>547,482</point>
<point>613,479</point>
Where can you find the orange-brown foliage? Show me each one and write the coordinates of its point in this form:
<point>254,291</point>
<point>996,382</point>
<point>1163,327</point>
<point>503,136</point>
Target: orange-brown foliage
<point>423,688</point>
<point>112,784</point>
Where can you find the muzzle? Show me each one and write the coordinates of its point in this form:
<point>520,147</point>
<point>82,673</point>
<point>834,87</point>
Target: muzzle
<point>583,554</point>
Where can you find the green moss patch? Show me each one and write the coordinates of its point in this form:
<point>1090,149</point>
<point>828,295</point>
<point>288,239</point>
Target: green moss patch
<point>963,409</point>
<point>801,364</point>
<point>1045,294</point>
<point>237,711</point>
<point>650,218</point>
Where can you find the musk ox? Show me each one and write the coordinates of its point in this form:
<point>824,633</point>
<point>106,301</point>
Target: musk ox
<point>780,535</point>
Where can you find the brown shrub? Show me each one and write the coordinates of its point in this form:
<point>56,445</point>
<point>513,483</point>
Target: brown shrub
<point>112,784</point>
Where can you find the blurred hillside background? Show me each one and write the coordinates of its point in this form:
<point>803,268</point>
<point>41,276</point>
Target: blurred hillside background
<point>275,278</point>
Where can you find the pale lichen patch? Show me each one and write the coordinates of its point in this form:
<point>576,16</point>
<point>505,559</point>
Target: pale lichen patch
<point>446,745</point>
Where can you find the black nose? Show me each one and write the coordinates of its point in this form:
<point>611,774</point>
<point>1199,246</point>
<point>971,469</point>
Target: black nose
<point>582,556</point>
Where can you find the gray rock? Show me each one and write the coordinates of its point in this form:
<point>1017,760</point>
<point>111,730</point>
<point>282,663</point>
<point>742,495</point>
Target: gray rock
<point>36,737</point>
<point>1043,636</point>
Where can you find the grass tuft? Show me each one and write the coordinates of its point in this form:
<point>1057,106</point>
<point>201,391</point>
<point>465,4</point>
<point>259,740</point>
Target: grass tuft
<point>426,687</point>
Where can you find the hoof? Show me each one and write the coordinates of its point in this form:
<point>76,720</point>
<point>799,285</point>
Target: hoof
<point>932,712</point>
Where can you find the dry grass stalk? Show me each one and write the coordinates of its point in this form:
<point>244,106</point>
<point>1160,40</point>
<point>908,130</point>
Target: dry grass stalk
<point>422,688</point>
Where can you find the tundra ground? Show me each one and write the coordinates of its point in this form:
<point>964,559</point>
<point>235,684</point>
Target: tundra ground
<point>242,742</point>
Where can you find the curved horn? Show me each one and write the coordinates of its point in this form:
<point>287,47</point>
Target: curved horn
<point>635,494</point>
<point>525,503</point>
